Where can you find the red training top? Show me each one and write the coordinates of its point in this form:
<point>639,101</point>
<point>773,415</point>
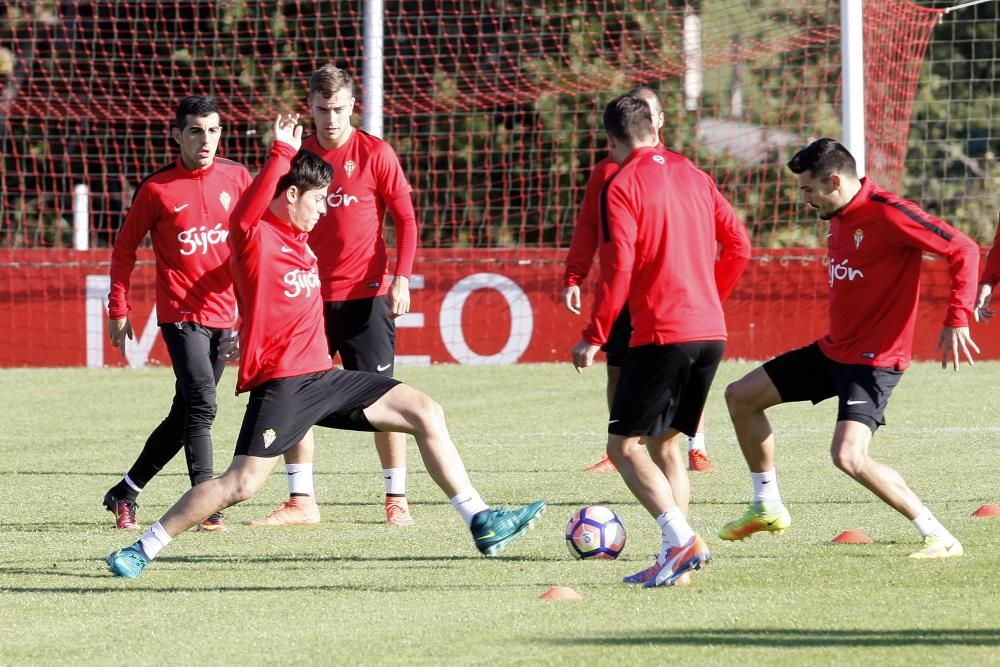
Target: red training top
<point>367,177</point>
<point>662,220</point>
<point>583,246</point>
<point>274,271</point>
<point>187,215</point>
<point>874,248</point>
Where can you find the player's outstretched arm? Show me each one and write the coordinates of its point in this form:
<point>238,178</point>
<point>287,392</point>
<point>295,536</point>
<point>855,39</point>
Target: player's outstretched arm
<point>255,199</point>
<point>954,340</point>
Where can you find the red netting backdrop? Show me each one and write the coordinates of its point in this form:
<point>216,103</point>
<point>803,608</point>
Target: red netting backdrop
<point>494,109</point>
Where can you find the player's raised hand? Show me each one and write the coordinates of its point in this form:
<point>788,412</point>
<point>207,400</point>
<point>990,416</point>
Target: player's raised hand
<point>952,340</point>
<point>982,312</point>
<point>118,330</point>
<point>287,130</point>
<point>571,299</point>
<point>583,355</point>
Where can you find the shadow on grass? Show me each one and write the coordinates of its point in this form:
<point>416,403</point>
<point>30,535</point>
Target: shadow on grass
<point>117,585</point>
<point>799,638</point>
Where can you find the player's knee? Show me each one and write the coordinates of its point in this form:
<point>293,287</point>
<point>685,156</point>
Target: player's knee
<point>848,460</point>
<point>737,396</point>
<point>243,487</point>
<point>431,413</point>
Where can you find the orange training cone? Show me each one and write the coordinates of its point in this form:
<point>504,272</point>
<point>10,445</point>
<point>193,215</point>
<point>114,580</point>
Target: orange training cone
<point>853,537</point>
<point>987,511</point>
<point>560,593</point>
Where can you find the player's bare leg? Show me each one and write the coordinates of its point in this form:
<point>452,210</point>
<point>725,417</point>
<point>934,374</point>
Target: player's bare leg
<point>244,478</point>
<point>408,410</point>
<point>850,453</point>
<point>747,399</point>
<point>682,549</point>
<point>666,455</point>
<point>604,464</point>
<point>391,448</point>
<point>301,508</point>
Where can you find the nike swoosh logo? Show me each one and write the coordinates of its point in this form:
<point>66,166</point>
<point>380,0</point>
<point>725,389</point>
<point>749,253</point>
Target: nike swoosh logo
<point>285,248</point>
<point>381,368</point>
<point>613,421</point>
<point>487,536</point>
<point>856,402</point>
<point>178,209</point>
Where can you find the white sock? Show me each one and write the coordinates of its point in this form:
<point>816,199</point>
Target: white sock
<point>154,539</point>
<point>395,481</point>
<point>300,479</point>
<point>927,524</point>
<point>128,480</point>
<point>469,504</point>
<point>697,441</point>
<point>675,528</point>
<point>765,487</point>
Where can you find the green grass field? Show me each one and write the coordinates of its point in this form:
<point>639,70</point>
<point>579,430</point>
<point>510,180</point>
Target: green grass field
<point>354,591</point>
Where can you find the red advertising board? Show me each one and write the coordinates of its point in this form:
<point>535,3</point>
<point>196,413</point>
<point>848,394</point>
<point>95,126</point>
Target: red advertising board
<point>469,306</point>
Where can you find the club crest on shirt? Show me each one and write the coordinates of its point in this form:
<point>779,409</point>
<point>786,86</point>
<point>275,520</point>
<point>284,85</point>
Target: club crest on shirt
<point>269,436</point>
<point>349,167</point>
<point>859,236</point>
<point>225,199</point>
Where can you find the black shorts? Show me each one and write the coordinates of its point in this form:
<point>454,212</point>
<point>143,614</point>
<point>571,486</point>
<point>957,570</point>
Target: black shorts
<point>621,332</point>
<point>806,374</point>
<point>362,332</point>
<point>281,411</point>
<point>664,387</point>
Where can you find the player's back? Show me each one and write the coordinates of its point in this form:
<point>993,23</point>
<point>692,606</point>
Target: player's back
<point>673,296</point>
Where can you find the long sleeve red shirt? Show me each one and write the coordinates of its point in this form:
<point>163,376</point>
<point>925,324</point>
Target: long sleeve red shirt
<point>367,179</point>
<point>662,221</point>
<point>277,285</point>
<point>583,245</point>
<point>186,213</point>
<point>874,249</point>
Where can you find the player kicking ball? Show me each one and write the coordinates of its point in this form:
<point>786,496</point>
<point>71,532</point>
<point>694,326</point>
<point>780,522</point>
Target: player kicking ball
<point>286,366</point>
<point>875,246</point>
<point>662,224</point>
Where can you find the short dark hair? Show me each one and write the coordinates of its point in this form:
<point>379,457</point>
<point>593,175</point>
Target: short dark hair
<point>309,172</point>
<point>329,79</point>
<point>628,118</point>
<point>823,158</point>
<point>194,105</point>
<point>647,94</point>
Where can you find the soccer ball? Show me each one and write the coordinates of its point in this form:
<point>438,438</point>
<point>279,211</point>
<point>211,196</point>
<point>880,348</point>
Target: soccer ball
<point>595,532</point>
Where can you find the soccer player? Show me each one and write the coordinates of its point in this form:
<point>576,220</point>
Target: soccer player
<point>359,303</point>
<point>661,223</point>
<point>287,368</point>
<point>582,249</point>
<point>875,243</point>
<point>184,207</point>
